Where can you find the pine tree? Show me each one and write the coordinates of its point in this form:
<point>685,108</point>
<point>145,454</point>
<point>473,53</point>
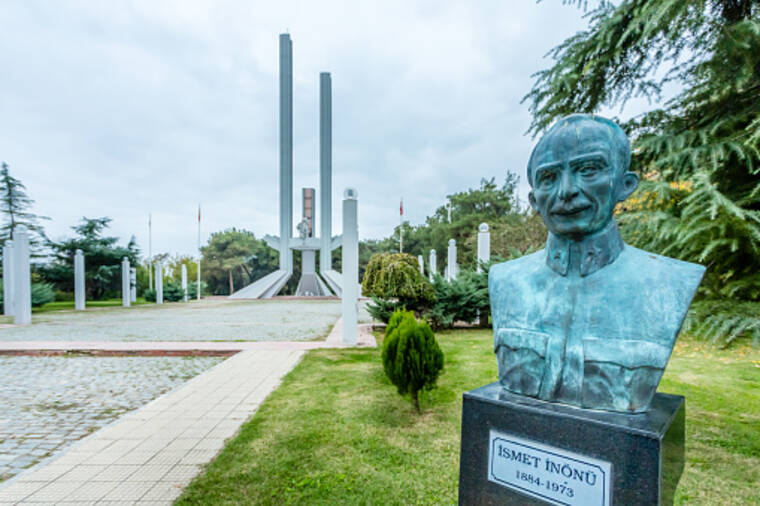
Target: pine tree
<point>698,153</point>
<point>14,204</point>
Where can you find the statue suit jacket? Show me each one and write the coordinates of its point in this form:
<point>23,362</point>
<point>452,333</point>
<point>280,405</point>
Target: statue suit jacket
<point>597,335</point>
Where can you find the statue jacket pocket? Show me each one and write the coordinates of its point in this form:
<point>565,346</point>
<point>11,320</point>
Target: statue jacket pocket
<point>521,358</point>
<point>621,375</point>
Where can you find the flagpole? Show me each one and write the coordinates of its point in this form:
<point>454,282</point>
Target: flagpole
<point>401,227</point>
<point>150,253</point>
<point>199,253</point>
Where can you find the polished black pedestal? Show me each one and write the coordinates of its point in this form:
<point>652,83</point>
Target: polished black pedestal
<point>646,451</point>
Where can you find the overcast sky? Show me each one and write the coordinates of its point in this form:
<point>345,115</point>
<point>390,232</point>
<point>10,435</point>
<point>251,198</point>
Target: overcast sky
<point>123,108</point>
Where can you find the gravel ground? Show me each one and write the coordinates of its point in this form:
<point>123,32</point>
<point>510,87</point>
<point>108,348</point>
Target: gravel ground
<point>209,320</point>
<point>48,403</point>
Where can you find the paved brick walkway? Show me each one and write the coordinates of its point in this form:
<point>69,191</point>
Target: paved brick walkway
<point>49,403</point>
<point>149,455</point>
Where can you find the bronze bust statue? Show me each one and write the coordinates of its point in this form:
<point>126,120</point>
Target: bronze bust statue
<point>589,321</point>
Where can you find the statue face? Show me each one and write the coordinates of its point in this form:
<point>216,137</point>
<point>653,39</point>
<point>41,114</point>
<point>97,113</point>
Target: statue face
<point>576,180</point>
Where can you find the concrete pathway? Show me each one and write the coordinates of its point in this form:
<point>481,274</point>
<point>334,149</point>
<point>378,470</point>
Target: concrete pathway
<point>149,455</point>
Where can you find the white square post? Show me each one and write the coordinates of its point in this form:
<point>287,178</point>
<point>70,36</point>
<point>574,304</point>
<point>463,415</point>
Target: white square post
<point>79,295</point>
<point>433,266</point>
<point>22,277</point>
<point>132,284</point>
<point>8,277</point>
<point>484,245</point>
<point>159,283</point>
<point>451,264</point>
<point>350,265</point>
<point>184,283</point>
<point>125,282</point>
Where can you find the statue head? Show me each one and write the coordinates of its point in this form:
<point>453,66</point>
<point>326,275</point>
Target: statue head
<point>578,172</point>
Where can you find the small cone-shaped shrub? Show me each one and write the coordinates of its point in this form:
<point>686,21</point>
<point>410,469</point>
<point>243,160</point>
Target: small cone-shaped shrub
<point>411,357</point>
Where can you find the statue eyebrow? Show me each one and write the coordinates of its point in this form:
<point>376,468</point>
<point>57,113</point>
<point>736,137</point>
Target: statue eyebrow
<point>590,157</point>
<point>545,167</point>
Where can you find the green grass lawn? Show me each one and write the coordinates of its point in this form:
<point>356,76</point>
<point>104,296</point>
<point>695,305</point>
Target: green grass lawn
<point>69,304</point>
<point>336,432</point>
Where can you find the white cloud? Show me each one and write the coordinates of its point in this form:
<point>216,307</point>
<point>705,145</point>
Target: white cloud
<point>123,108</point>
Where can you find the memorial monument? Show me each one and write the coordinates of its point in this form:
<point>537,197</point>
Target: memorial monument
<point>312,283</point>
<point>583,331</point>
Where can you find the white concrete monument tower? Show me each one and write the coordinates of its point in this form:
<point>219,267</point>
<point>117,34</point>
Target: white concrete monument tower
<point>286,151</point>
<point>325,172</point>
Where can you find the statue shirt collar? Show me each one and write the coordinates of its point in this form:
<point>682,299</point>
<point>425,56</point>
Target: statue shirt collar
<point>596,251</point>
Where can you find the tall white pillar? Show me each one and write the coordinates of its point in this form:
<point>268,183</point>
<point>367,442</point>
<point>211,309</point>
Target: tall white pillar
<point>325,171</point>
<point>350,265</point>
<point>286,151</point>
<point>8,278</point>
<point>184,283</point>
<point>132,284</point>
<point>422,264</point>
<point>433,264</point>
<point>22,277</point>
<point>484,245</point>
<point>159,268</point>
<point>125,284</point>
<point>79,296</point>
<point>451,263</point>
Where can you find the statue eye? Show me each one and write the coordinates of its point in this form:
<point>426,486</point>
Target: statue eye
<point>547,177</point>
<point>588,170</point>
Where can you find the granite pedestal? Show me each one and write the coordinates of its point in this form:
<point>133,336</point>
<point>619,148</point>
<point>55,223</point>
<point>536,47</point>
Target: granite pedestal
<point>519,450</point>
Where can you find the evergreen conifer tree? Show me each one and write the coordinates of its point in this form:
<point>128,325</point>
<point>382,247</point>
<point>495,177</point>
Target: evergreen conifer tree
<point>15,205</point>
<point>411,356</point>
<point>698,153</point>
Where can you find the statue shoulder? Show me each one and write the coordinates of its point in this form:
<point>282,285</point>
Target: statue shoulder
<point>507,271</point>
<point>662,268</point>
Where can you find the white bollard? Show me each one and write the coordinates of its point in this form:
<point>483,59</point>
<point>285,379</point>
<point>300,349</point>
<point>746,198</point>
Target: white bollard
<point>125,282</point>
<point>451,264</point>
<point>184,283</point>
<point>79,296</point>
<point>159,283</point>
<point>8,278</point>
<point>422,265</point>
<point>22,277</point>
<point>484,245</point>
<point>350,265</point>
<point>133,284</point>
<point>433,264</point>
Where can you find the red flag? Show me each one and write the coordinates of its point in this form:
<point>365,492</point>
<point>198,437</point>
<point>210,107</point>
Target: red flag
<point>401,207</point>
<point>199,214</point>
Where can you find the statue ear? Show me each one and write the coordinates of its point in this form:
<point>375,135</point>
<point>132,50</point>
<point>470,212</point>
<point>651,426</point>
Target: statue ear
<point>627,186</point>
<point>532,200</point>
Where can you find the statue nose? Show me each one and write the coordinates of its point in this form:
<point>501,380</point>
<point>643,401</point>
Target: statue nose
<point>567,188</point>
